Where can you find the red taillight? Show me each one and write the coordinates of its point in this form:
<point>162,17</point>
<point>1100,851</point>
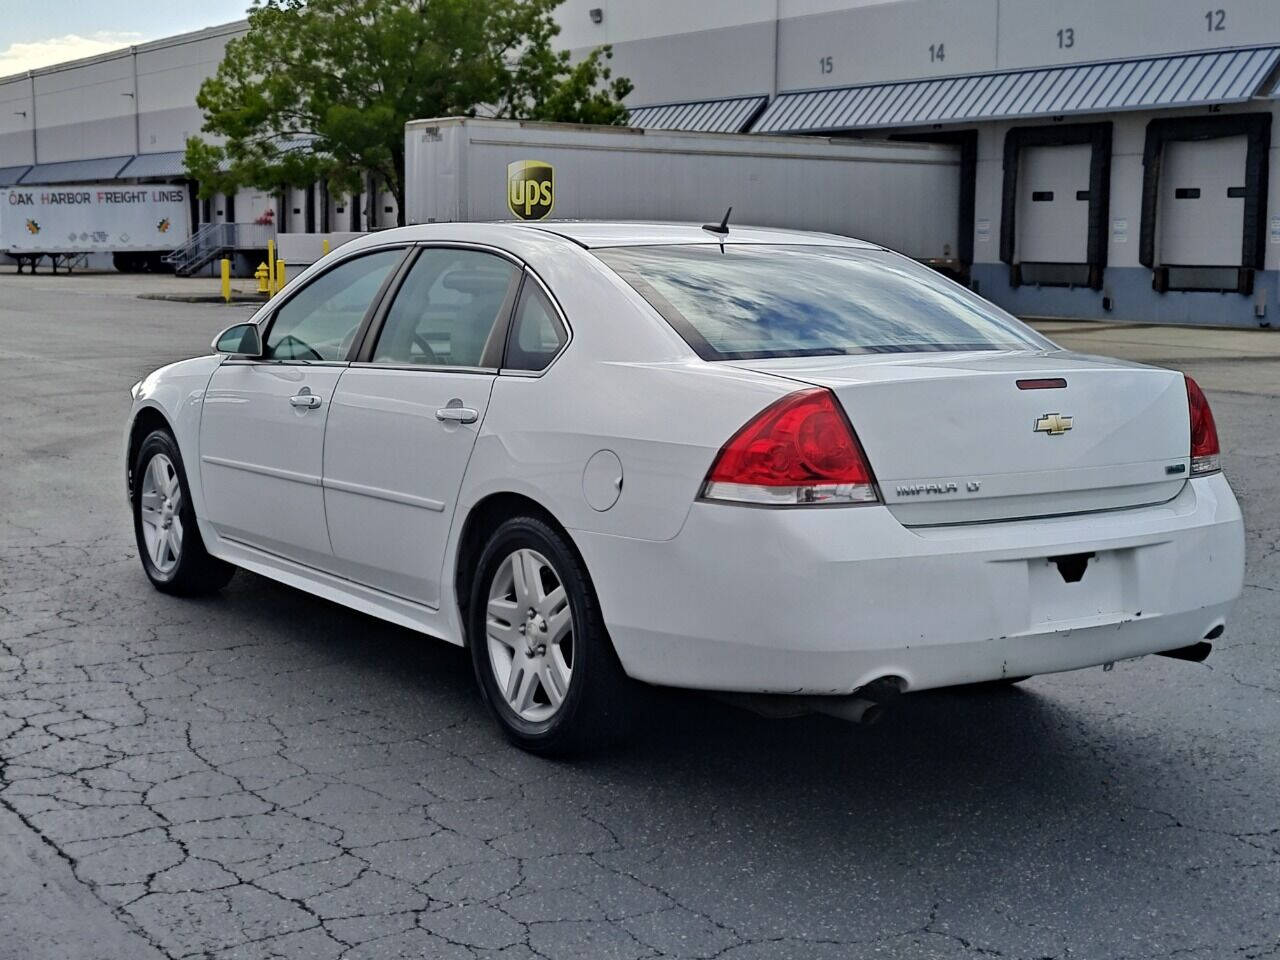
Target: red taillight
<point>800,449</point>
<point>1204,432</point>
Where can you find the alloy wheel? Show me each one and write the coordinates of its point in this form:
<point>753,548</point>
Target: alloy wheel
<point>160,508</point>
<point>529,631</point>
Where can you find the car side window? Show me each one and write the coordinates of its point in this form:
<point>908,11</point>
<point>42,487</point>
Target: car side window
<point>445,311</point>
<point>536,334</point>
<point>320,321</point>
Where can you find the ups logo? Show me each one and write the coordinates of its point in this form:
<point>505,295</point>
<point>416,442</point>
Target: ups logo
<point>530,189</point>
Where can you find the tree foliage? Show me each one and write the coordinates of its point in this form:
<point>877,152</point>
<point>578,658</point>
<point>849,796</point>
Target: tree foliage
<point>321,90</point>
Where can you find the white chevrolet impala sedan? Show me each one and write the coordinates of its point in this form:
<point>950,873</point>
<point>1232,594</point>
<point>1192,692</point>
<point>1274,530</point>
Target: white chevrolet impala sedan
<point>790,467</point>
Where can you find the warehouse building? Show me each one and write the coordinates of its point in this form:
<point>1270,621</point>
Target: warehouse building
<point>126,115</point>
<point>1117,158</point>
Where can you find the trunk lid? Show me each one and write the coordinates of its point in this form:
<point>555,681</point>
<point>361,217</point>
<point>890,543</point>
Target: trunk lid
<point>952,437</point>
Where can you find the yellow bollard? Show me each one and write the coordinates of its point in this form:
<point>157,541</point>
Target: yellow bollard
<point>324,247</point>
<point>262,275</point>
<point>271,268</point>
<point>280,277</point>
<point>226,280</point>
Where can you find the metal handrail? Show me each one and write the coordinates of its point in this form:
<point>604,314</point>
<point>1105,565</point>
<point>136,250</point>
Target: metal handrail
<point>200,246</point>
<point>213,239</point>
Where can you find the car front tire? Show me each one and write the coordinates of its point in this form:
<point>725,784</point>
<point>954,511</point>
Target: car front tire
<point>542,656</point>
<point>164,523</point>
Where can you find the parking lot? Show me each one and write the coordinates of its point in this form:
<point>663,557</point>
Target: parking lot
<point>263,774</point>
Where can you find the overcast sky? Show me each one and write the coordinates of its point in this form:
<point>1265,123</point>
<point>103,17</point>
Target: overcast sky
<point>36,33</point>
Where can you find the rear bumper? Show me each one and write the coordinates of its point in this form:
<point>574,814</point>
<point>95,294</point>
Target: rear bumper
<point>822,601</point>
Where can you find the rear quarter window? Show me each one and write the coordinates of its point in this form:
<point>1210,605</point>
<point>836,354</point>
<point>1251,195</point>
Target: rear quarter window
<point>537,333</point>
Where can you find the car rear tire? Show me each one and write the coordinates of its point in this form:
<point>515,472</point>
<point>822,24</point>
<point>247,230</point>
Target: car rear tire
<point>543,659</point>
<point>164,523</point>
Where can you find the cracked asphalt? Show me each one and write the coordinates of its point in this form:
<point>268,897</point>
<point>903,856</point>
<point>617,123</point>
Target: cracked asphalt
<point>263,774</point>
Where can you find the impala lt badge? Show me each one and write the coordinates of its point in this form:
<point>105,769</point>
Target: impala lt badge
<point>929,489</point>
<point>1054,424</point>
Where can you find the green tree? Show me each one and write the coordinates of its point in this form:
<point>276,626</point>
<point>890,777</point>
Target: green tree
<point>321,90</point>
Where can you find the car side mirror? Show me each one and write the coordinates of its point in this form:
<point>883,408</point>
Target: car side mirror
<point>239,340</point>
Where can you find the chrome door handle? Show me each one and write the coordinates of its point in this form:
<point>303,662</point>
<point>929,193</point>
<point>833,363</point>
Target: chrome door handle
<point>308,401</point>
<point>458,414</point>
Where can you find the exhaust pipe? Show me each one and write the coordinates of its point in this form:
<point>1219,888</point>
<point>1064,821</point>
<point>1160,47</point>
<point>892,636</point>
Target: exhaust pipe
<point>1196,652</point>
<point>853,709</point>
<point>866,705</point>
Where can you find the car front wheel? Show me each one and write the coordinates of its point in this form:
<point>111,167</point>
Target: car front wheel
<point>164,523</point>
<point>542,656</point>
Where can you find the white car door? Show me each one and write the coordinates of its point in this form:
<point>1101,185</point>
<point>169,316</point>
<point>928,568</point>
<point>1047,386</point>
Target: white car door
<point>406,414</point>
<point>262,427</point>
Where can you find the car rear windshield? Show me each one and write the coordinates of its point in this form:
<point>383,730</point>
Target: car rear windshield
<point>750,301</point>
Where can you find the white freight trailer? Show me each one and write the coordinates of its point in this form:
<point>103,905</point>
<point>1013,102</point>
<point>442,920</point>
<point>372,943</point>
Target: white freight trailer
<point>904,195</point>
<point>135,223</point>
<point>303,249</point>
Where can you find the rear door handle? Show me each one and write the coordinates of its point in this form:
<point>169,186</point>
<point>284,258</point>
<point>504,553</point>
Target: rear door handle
<point>458,414</point>
<point>308,401</point>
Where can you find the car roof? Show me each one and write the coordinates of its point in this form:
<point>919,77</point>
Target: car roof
<point>625,233</point>
<point>591,234</point>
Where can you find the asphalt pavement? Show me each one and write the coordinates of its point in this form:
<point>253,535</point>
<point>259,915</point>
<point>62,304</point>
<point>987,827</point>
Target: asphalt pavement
<point>264,774</point>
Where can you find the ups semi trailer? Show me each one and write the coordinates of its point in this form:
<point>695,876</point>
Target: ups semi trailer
<point>135,225</point>
<point>904,195</point>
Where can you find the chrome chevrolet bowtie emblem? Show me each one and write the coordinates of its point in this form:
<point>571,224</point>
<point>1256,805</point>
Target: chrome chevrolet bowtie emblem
<point>1054,424</point>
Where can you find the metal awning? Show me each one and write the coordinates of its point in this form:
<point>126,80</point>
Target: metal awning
<point>11,175</point>
<point>699,116</point>
<point>76,171</point>
<point>1221,76</point>
<point>171,164</point>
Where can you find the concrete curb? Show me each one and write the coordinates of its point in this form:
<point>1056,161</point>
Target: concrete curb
<point>203,297</point>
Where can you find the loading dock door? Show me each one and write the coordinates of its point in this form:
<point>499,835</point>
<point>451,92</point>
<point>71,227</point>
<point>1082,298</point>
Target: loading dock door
<point>1205,179</point>
<point>339,211</point>
<point>1054,199</point>
<point>1202,203</point>
<point>1053,208</point>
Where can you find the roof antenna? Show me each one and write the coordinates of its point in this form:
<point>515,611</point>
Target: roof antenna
<point>722,228</point>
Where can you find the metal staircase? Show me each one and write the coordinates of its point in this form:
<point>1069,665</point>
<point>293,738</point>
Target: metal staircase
<point>214,240</point>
